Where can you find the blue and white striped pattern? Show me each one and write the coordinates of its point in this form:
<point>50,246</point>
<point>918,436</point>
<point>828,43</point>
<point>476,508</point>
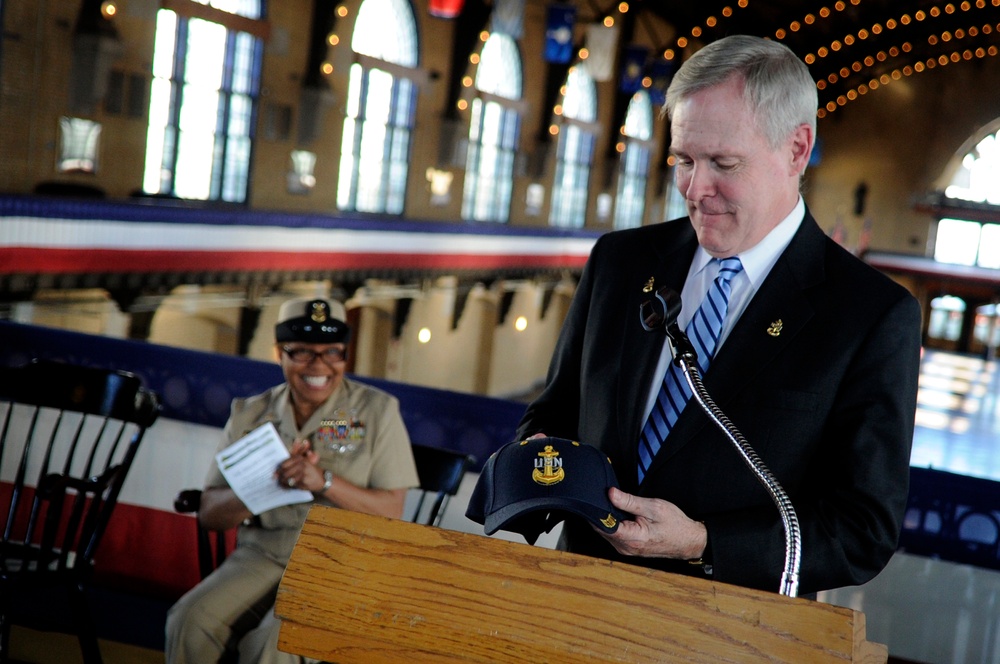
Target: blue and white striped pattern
<point>703,332</point>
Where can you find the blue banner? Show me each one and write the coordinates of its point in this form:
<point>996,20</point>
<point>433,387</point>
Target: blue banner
<point>661,71</point>
<point>559,33</point>
<point>633,68</point>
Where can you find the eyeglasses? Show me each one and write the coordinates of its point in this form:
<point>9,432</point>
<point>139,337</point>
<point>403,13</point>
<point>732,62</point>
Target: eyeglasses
<point>300,355</point>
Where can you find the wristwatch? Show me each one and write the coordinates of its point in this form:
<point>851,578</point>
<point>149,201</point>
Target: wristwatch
<point>327,481</point>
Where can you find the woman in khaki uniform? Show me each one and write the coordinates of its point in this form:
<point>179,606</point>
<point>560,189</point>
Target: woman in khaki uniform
<point>348,446</point>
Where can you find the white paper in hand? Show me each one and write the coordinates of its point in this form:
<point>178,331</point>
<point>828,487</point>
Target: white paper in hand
<point>249,465</point>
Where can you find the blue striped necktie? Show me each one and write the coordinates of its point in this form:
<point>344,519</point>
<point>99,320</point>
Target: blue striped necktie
<point>703,332</point>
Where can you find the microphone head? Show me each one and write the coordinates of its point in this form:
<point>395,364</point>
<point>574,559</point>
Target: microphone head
<point>661,311</point>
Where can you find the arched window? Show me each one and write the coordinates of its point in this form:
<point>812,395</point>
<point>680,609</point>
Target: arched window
<point>381,99</point>
<point>493,132</point>
<point>977,180</point>
<point>634,165</point>
<point>675,206</point>
<point>203,104</point>
<point>575,152</point>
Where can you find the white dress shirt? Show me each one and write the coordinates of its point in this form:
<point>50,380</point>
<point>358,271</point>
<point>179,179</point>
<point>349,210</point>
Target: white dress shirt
<point>757,263</point>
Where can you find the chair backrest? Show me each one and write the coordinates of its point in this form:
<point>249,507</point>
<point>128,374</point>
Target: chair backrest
<point>213,546</point>
<point>68,435</point>
<point>952,517</point>
<point>441,472</point>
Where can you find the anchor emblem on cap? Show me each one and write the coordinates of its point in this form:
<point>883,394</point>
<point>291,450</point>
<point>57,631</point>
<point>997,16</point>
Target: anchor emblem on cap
<point>548,470</point>
<point>319,312</point>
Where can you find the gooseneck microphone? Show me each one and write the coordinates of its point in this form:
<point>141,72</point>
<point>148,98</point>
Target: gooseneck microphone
<point>661,313</point>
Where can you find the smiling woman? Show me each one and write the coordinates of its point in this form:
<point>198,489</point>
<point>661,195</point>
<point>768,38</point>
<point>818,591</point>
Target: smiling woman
<point>346,446</point>
<point>313,366</point>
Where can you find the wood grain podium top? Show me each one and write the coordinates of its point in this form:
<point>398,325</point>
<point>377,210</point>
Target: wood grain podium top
<point>368,589</point>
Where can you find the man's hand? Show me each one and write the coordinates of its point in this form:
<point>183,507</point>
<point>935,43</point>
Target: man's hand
<point>660,529</point>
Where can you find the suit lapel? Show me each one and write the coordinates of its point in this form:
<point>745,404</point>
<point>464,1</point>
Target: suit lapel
<point>774,317</point>
<point>666,263</point>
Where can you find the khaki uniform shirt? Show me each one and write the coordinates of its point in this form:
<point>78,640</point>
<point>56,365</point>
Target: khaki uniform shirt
<point>358,434</point>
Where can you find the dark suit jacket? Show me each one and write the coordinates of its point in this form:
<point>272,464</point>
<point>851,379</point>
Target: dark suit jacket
<point>828,404</point>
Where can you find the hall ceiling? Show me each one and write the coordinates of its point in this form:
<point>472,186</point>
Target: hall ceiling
<point>847,44</point>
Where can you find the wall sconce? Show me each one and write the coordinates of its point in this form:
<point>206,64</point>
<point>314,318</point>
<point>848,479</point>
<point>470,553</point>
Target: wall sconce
<point>300,178</point>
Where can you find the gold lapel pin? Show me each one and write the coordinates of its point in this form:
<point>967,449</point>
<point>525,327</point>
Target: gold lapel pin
<point>648,288</point>
<point>774,329</point>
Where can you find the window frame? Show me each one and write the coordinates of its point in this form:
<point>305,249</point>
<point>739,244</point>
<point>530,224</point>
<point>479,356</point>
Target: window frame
<point>404,76</point>
<point>575,151</point>
<point>494,131</point>
<point>633,166</point>
<point>231,164</point>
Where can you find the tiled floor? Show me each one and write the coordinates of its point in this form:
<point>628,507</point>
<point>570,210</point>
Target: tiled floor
<point>958,415</point>
<point>925,610</point>
<point>28,645</point>
<point>928,610</point>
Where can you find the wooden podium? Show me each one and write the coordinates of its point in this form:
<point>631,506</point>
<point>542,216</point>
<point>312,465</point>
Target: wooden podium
<point>369,589</point>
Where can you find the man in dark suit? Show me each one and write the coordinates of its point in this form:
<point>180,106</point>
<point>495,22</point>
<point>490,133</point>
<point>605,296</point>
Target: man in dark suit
<point>816,363</point>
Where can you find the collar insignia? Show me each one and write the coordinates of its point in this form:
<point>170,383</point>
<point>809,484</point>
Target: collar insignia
<point>774,329</point>
<point>648,288</point>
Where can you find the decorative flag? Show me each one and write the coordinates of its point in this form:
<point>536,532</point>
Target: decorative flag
<point>445,8</point>
<point>601,44</point>
<point>559,33</point>
<point>816,156</point>
<point>633,68</point>
<point>662,72</point>
<point>839,232</point>
<point>508,18</point>
<point>865,237</point>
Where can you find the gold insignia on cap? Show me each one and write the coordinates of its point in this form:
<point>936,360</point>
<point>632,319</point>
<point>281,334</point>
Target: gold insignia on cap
<point>609,521</point>
<point>648,288</point>
<point>774,329</point>
<point>320,312</point>
<point>548,469</point>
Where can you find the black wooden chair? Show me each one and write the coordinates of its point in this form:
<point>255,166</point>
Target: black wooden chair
<point>952,517</point>
<point>440,472</point>
<point>212,548</point>
<point>68,435</point>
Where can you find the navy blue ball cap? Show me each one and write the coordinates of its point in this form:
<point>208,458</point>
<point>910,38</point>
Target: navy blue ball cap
<point>312,320</point>
<point>529,486</point>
